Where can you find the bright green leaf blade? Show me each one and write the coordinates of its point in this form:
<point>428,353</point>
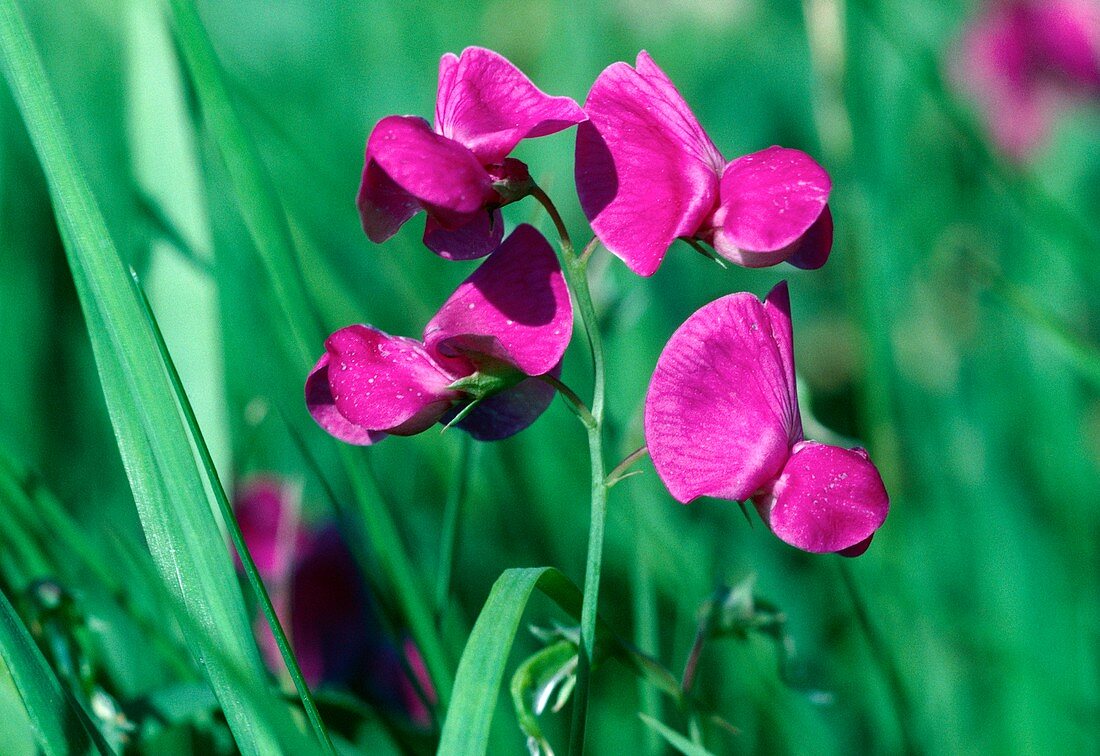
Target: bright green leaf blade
<point>673,738</point>
<point>171,499</point>
<point>59,724</point>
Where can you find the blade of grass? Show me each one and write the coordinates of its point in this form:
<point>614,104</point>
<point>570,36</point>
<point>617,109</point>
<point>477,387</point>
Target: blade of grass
<point>60,725</point>
<point>237,537</point>
<point>267,225</point>
<point>673,738</point>
<point>172,503</point>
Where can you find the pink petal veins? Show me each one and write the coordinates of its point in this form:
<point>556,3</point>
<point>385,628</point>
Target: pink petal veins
<point>646,171</point>
<point>719,415</point>
<point>514,308</point>
<point>487,104</point>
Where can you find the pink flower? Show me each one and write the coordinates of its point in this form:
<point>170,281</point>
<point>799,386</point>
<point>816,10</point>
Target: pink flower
<point>647,174</point>
<point>323,604</point>
<point>458,169</point>
<point>509,321</point>
<point>1025,61</point>
<point>722,420</point>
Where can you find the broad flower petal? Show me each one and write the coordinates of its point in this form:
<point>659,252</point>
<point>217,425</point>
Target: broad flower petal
<point>826,499</point>
<point>444,177</point>
<point>267,510</point>
<point>383,382</point>
<point>322,406</point>
<point>646,171</point>
<point>769,201</point>
<point>514,308</point>
<point>721,414</point>
<point>487,104</point>
<point>479,236</point>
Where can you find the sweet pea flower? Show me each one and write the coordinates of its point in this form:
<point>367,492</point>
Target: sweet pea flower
<point>722,420</point>
<point>458,169</point>
<point>1025,61</point>
<point>476,366</point>
<point>647,174</point>
<point>323,604</point>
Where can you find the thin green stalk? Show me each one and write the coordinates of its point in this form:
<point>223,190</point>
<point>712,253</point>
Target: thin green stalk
<point>576,275</point>
<point>448,538</point>
<point>646,635</point>
<point>239,544</point>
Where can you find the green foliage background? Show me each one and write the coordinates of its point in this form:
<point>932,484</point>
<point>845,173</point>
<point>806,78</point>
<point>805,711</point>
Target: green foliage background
<point>953,332</point>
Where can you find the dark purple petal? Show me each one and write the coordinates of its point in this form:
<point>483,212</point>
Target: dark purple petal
<point>383,382</point>
<point>514,308</point>
<point>769,201</point>
<point>383,205</point>
<point>507,413</point>
<point>721,412</point>
<point>322,406</point>
<point>812,250</point>
<point>444,177</point>
<point>476,238</point>
<point>487,104</point>
<point>646,171</point>
<point>826,499</point>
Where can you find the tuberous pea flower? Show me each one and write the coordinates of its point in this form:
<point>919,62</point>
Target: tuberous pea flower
<point>323,604</point>
<point>722,420</point>
<point>1026,61</point>
<point>647,174</point>
<point>476,366</point>
<point>458,169</point>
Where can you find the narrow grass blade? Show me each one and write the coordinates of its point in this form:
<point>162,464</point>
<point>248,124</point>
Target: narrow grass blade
<point>60,726</point>
<point>673,738</point>
<point>267,225</point>
<point>172,502</point>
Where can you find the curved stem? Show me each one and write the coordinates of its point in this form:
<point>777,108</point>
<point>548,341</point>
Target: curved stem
<point>620,471</point>
<point>575,270</point>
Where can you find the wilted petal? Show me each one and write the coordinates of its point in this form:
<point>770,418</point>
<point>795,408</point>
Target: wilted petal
<point>476,238</point>
<point>646,171</point>
<point>826,499</point>
<point>383,382</point>
<point>487,104</point>
<point>515,308</point>
<point>507,413</point>
<point>444,177</point>
<point>322,406</point>
<point>720,415</point>
<point>769,201</point>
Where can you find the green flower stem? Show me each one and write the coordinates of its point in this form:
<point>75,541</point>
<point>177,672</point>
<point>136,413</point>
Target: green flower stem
<point>576,275</point>
<point>455,497</point>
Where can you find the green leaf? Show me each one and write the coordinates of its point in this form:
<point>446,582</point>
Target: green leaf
<point>172,501</point>
<point>551,670</point>
<point>481,669</point>
<point>60,725</point>
<point>673,738</point>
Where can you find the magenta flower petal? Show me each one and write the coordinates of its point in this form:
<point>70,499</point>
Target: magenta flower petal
<point>507,413</point>
<point>826,499</point>
<point>487,104</point>
<point>476,238</point>
<point>812,250</point>
<point>646,171</point>
<point>444,177</point>
<point>383,382</point>
<point>267,511</point>
<point>322,406</point>
<point>383,205</point>
<point>514,308</point>
<point>721,411</point>
<point>769,200</point>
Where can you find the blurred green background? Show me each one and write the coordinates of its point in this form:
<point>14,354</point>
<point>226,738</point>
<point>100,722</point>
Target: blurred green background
<point>953,332</point>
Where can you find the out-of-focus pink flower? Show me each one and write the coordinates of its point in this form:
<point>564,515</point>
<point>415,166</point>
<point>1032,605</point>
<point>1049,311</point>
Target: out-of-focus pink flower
<point>1026,61</point>
<point>722,420</point>
<point>458,169</point>
<point>647,174</point>
<point>323,604</point>
<point>507,323</point>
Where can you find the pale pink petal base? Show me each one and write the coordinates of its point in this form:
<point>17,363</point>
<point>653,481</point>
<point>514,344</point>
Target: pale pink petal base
<point>827,499</point>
